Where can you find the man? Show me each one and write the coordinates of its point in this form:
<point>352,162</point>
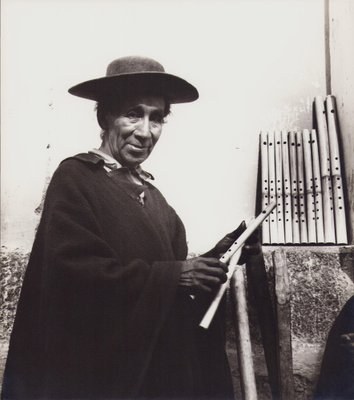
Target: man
<point>110,306</point>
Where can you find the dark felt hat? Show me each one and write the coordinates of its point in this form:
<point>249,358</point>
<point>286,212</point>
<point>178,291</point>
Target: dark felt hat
<point>136,74</point>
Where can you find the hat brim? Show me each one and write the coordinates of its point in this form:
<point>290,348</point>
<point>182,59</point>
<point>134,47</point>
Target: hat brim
<point>173,88</point>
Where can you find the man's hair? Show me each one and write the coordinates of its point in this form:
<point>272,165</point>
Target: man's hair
<point>113,105</point>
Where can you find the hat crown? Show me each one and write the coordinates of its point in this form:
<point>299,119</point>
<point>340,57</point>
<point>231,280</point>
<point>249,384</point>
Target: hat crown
<point>133,64</point>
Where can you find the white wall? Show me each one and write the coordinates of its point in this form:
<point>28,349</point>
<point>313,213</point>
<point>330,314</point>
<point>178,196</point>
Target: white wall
<point>257,65</point>
<point>341,30</point>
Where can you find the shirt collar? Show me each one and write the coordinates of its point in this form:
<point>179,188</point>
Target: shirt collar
<point>112,164</point>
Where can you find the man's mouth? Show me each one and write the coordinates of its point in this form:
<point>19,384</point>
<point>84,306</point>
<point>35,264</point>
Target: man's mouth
<point>136,147</point>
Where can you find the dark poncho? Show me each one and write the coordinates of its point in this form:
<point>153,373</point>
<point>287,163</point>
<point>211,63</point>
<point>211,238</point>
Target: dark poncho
<point>100,313</point>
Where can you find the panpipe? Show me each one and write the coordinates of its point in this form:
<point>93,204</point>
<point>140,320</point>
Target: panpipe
<point>301,171</point>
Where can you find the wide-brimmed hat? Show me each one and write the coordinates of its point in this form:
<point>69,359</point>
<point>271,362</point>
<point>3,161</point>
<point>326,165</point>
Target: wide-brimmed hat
<point>136,74</point>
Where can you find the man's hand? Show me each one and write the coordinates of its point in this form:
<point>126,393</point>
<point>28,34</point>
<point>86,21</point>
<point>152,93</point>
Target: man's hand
<point>202,274</point>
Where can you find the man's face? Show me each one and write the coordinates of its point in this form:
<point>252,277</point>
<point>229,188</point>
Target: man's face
<point>134,129</point>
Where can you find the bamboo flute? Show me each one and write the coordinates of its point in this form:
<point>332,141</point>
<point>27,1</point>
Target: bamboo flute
<point>317,186</point>
<point>235,252</point>
<point>328,216</point>
<point>337,181</point>
<point>310,196</point>
<point>244,349</point>
<point>265,184</point>
<point>279,186</point>
<point>294,194</point>
<point>209,315</point>
<point>272,188</point>
<point>287,189</point>
<point>301,188</point>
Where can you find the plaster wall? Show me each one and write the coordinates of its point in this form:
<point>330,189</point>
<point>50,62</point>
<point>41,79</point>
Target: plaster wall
<point>257,64</point>
<point>341,41</point>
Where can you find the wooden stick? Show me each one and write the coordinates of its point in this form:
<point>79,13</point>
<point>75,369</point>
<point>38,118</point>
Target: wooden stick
<point>279,186</point>
<point>336,175</point>
<point>272,189</point>
<point>244,350</point>
<point>265,185</point>
<point>328,216</point>
<point>258,286</point>
<point>287,188</point>
<point>233,251</point>
<point>294,193</point>
<point>301,188</point>
<point>282,291</point>
<point>317,188</point>
<point>309,188</point>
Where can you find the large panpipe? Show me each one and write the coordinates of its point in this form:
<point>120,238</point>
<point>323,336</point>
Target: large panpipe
<point>302,172</point>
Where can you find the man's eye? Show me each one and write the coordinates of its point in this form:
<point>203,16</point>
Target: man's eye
<point>157,119</point>
<point>132,115</point>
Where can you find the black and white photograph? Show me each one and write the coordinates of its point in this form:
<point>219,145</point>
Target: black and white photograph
<point>177,200</point>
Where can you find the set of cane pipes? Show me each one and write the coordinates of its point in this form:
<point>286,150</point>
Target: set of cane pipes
<point>302,172</point>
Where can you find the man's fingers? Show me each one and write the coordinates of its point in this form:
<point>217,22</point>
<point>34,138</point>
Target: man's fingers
<point>214,262</point>
<point>209,261</point>
<point>203,274</point>
<point>213,271</point>
<point>213,280</point>
<point>208,284</point>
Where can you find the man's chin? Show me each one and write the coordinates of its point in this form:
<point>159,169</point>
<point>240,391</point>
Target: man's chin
<point>133,161</point>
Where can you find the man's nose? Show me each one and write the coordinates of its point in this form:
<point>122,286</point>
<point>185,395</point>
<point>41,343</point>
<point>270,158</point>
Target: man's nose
<point>143,128</point>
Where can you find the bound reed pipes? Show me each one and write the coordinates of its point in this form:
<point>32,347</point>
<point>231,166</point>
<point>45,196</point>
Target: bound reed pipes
<point>302,172</point>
